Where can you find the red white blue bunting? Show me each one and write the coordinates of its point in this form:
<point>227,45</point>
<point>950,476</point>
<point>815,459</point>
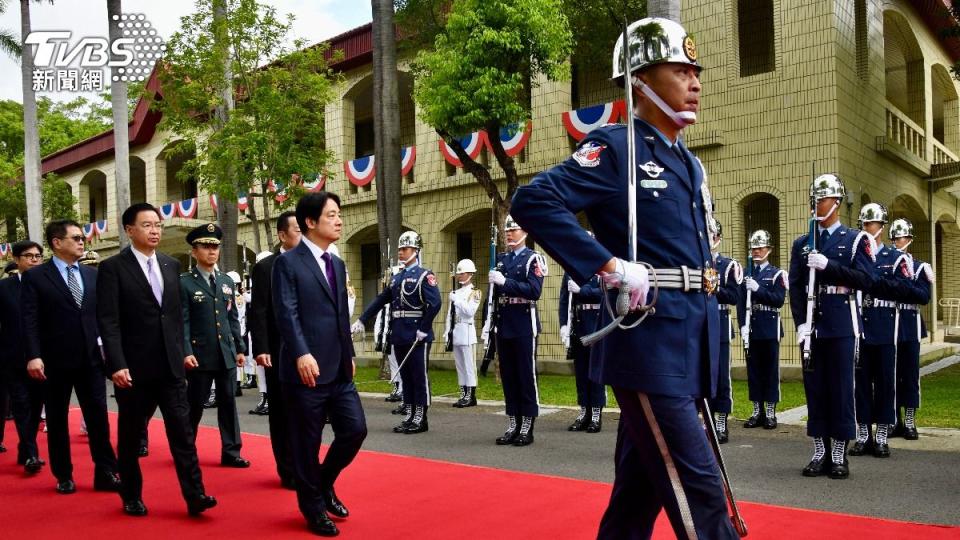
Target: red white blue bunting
<point>89,230</point>
<point>213,203</point>
<point>168,211</point>
<point>4,250</point>
<point>100,227</point>
<point>408,156</point>
<point>187,208</point>
<point>360,171</point>
<point>314,182</point>
<point>242,202</point>
<point>513,139</point>
<point>580,122</point>
<point>472,144</point>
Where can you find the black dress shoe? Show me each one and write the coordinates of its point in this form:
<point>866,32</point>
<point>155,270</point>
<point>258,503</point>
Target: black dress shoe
<point>335,507</point>
<point>143,451</point>
<point>134,508</point>
<point>399,410</point>
<point>594,427</point>
<point>236,462</point>
<point>33,465</point>
<point>2,448</point>
<point>897,431</point>
<point>910,433</point>
<point>108,482</point>
<point>288,483</point>
<point>523,439</point>
<point>66,487</point>
<point>322,526</point>
<point>723,436</point>
<point>197,506</point>
<point>754,421</point>
<point>770,422</point>
<point>839,471</point>
<point>881,450</point>
<point>394,397</point>
<point>416,427</point>
<point>817,467</point>
<point>861,448</point>
<point>577,425</point>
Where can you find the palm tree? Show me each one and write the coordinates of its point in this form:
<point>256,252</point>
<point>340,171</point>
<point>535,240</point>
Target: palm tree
<point>9,43</point>
<point>31,137</point>
<point>121,137</point>
<point>227,214</point>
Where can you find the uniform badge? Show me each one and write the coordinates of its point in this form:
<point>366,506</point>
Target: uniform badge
<point>653,184</point>
<point>432,280</point>
<point>537,271</point>
<point>690,48</point>
<point>211,227</point>
<point>588,155</point>
<point>652,169</point>
<point>227,290</point>
<point>711,279</point>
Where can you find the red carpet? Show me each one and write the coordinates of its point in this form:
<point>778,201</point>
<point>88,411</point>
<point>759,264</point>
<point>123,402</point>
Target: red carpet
<point>389,496</point>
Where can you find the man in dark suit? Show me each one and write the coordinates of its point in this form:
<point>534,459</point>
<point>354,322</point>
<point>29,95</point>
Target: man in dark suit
<point>138,310</point>
<point>316,360</point>
<point>26,394</point>
<point>212,342</point>
<point>58,302</point>
<point>262,324</point>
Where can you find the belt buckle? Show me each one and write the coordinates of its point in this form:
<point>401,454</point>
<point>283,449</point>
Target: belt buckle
<point>711,280</point>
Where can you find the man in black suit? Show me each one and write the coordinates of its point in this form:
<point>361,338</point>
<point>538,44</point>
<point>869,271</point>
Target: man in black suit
<point>316,360</point>
<point>59,303</point>
<point>262,324</point>
<point>138,310</point>
<point>26,394</point>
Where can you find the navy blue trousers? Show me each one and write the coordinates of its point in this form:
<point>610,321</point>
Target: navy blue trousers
<point>688,488</point>
<point>723,401</point>
<point>908,374</point>
<point>518,373</point>
<point>876,384</point>
<point>829,389</point>
<point>589,393</point>
<point>308,410</point>
<point>26,402</point>
<point>413,374</point>
<point>763,371</point>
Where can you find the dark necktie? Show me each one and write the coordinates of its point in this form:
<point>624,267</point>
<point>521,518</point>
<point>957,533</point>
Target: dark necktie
<point>824,236</point>
<point>331,276</point>
<point>676,150</point>
<point>74,285</point>
<point>213,284</point>
<point>756,270</point>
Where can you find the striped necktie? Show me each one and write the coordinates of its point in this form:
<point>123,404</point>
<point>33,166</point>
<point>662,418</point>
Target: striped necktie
<point>74,285</point>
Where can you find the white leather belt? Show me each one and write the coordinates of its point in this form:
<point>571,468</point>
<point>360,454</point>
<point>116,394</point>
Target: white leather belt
<point>909,307</point>
<point>761,307</point>
<point>514,300</point>
<point>407,314</point>
<point>835,289</point>
<point>589,306</point>
<point>683,278</point>
<point>877,303</point>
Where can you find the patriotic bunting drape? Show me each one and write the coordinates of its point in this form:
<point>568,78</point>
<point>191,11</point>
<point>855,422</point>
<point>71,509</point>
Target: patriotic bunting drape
<point>472,144</point>
<point>579,122</point>
<point>360,171</point>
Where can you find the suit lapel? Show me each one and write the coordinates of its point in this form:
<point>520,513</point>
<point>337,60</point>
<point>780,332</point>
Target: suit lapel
<point>89,282</point>
<point>311,262</point>
<point>135,270</point>
<point>171,281</point>
<point>54,275</point>
<point>203,284</point>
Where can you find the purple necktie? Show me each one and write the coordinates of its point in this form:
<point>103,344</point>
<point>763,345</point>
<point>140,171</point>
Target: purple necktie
<point>154,282</point>
<point>331,276</point>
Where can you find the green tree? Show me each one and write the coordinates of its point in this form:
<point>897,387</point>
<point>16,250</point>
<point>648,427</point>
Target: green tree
<point>9,44</point>
<point>275,130</point>
<point>480,73</point>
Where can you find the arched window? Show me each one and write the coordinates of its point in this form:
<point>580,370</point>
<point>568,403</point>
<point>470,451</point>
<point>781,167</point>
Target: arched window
<point>762,211</point>
<point>755,34</point>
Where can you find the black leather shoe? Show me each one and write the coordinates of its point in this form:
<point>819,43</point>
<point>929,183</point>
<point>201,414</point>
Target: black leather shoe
<point>416,427</point>
<point>594,427</point>
<point>66,487</point>
<point>197,506</point>
<point>523,439</point>
<point>817,467</point>
<point>236,462</point>
<point>33,465</point>
<point>577,425</point>
<point>861,448</point>
<point>399,410</point>
<point>897,431</point>
<point>288,483</point>
<point>770,422</point>
<point>2,448</point>
<point>754,421</point>
<point>839,471</point>
<point>108,482</point>
<point>723,436</point>
<point>394,397</point>
<point>134,508</point>
<point>881,450</point>
<point>910,433</point>
<point>401,427</point>
<point>322,526</point>
<point>508,437</point>
<point>335,506</point>
<point>143,451</point>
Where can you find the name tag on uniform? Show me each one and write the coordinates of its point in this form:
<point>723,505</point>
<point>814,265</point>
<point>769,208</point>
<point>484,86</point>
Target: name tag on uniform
<point>653,184</point>
<point>198,296</point>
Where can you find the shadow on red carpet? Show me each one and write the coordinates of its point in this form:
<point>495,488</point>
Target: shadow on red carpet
<point>389,496</point>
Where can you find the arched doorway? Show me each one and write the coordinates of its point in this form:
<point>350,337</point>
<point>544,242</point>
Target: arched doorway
<point>93,196</point>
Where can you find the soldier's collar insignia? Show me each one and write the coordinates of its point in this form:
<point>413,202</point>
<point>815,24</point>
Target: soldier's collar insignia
<point>652,169</point>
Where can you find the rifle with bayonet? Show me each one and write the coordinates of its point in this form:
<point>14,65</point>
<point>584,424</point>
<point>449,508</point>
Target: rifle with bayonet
<point>452,314</point>
<point>811,293</point>
<point>490,347</point>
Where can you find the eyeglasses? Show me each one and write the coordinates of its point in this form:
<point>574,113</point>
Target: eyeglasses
<point>32,256</point>
<point>78,238</point>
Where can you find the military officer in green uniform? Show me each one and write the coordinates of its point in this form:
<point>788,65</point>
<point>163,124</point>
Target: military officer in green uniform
<point>213,345</point>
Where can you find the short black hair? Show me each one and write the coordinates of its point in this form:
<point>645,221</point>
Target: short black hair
<point>24,245</point>
<point>283,221</point>
<point>129,216</point>
<point>58,229</point>
<point>311,206</point>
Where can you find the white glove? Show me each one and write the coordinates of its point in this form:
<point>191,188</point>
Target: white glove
<point>357,327</point>
<point>565,335</point>
<point>803,331</point>
<point>496,277</point>
<point>817,261</point>
<point>632,275</point>
<point>452,295</point>
<point>573,287</point>
<point>744,331</point>
<point>751,284</point>
<point>421,335</point>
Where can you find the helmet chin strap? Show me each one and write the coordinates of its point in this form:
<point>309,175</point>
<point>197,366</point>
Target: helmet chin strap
<point>905,246</point>
<point>761,259</point>
<point>830,213</point>
<point>682,119</point>
<point>522,239</point>
<point>875,236</point>
<point>416,255</point>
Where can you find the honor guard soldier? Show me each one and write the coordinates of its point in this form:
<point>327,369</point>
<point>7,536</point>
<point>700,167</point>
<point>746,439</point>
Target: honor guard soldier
<point>767,286</point>
<point>461,332</point>
<point>518,283</point>
<point>414,300</point>
<point>213,344</point>
<point>875,372</point>
<point>843,261</point>
<point>730,274</point>
<point>579,315</point>
<point>912,330</point>
<point>662,366</point>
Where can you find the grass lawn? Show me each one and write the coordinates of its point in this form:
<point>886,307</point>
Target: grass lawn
<point>940,399</point>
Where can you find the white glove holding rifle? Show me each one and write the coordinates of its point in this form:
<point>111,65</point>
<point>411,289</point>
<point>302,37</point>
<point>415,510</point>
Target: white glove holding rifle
<point>631,275</point>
